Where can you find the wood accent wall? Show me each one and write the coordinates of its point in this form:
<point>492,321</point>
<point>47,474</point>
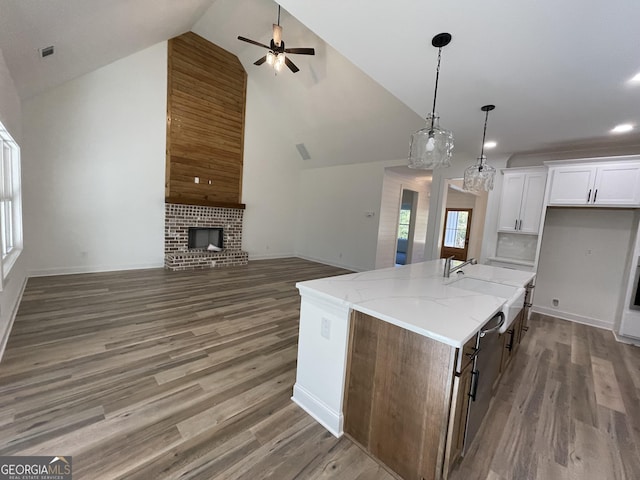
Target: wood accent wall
<point>206,93</point>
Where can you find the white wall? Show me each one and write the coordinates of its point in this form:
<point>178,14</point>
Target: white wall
<point>391,196</point>
<point>94,169</point>
<point>332,224</point>
<point>582,263</point>
<point>270,179</point>
<point>13,284</point>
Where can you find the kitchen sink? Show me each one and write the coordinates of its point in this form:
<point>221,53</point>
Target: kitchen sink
<point>513,296</point>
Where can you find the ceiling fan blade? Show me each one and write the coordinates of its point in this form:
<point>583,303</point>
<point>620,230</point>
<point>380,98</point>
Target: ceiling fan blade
<point>291,65</point>
<point>277,34</point>
<point>260,61</point>
<point>253,42</point>
<point>300,51</point>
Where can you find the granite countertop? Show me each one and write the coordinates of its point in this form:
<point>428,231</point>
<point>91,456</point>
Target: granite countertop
<point>417,297</point>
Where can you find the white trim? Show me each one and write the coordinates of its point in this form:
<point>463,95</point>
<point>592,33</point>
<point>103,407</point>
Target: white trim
<point>608,158</point>
<point>12,318</point>
<point>627,340</point>
<point>269,256</point>
<point>321,413</point>
<point>332,264</point>
<point>572,317</point>
<point>47,272</point>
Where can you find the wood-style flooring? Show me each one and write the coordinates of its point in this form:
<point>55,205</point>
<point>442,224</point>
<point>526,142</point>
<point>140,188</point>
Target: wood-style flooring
<point>188,375</point>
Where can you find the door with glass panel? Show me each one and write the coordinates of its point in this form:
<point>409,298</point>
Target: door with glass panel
<point>455,241</point>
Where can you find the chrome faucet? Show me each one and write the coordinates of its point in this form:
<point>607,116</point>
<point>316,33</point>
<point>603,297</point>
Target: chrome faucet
<point>447,266</point>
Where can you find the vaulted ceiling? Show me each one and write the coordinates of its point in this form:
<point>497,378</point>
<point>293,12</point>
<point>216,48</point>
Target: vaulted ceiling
<point>558,72</point>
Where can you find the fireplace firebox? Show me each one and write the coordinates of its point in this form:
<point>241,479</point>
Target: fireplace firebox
<point>202,237</point>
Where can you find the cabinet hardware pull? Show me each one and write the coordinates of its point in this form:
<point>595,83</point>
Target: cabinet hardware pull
<point>595,195</point>
<point>510,344</point>
<point>528,305</point>
<point>473,354</point>
<point>589,196</point>
<point>475,375</point>
<point>520,227</point>
<point>525,329</point>
<point>516,227</point>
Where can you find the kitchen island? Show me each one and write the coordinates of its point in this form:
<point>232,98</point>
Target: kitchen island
<point>402,331</point>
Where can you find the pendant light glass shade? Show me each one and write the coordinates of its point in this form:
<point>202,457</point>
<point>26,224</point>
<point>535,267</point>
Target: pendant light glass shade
<point>432,146</point>
<point>479,177</point>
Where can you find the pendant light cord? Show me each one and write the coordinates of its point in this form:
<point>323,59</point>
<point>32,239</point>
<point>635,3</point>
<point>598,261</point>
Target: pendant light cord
<point>435,93</point>
<point>484,134</point>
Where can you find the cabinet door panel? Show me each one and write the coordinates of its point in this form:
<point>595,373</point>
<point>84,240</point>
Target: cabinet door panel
<point>532,201</point>
<point>618,184</point>
<point>510,201</point>
<point>571,185</point>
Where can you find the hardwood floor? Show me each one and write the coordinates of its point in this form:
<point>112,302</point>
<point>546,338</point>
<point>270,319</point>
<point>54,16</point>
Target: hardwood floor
<point>154,374</point>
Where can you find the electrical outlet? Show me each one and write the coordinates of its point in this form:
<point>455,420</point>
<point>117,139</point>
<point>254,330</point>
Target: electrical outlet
<point>325,328</point>
<point>555,302</point>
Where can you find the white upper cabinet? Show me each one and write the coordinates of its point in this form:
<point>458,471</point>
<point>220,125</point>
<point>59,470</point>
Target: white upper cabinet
<point>522,200</point>
<point>596,184</point>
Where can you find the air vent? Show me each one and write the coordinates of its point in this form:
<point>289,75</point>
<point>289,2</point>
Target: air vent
<point>46,51</point>
<point>302,150</point>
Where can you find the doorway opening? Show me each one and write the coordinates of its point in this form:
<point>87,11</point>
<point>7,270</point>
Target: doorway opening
<point>406,227</point>
<point>455,239</point>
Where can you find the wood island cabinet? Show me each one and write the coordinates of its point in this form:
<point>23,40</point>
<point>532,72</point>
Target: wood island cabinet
<point>407,396</point>
<point>398,396</point>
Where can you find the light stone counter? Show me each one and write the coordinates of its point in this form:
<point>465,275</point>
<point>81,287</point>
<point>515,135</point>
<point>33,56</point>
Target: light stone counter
<point>415,297</point>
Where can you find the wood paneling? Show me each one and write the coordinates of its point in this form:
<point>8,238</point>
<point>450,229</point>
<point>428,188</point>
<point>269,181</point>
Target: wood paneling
<point>398,396</point>
<point>206,93</point>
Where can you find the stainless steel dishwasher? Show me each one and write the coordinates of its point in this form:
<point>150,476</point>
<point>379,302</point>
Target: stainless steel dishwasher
<point>486,369</point>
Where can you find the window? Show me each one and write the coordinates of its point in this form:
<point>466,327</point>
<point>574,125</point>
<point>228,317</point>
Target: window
<point>404,223</point>
<point>10,201</point>
<point>455,233</point>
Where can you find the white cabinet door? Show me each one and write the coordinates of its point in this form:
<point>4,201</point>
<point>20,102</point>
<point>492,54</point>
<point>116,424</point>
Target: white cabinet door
<point>532,202</point>
<point>510,201</point>
<point>572,185</point>
<point>617,184</point>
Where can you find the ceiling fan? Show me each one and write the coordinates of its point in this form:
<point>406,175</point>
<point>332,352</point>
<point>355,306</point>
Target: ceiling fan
<point>277,51</point>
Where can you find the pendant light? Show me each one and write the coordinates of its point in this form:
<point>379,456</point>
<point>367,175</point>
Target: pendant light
<point>480,176</point>
<point>431,147</point>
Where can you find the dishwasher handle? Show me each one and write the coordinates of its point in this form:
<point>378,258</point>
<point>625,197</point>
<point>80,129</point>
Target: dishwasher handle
<point>484,331</point>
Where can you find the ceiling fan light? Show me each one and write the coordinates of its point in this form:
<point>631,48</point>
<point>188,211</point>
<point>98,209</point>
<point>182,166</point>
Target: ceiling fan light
<point>271,58</point>
<point>279,62</point>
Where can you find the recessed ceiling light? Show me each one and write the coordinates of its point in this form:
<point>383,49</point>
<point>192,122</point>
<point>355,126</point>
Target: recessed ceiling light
<point>636,78</point>
<point>622,128</point>
<point>490,144</point>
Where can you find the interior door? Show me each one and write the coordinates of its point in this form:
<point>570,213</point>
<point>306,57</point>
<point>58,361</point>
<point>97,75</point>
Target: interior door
<point>455,241</point>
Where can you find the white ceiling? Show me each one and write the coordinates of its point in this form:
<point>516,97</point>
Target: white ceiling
<point>557,71</point>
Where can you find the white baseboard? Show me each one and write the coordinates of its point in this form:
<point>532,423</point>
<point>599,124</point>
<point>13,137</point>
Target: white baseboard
<point>321,413</point>
<point>12,318</point>
<point>47,272</point>
<point>332,264</point>
<point>628,340</point>
<point>269,256</point>
<point>593,322</point>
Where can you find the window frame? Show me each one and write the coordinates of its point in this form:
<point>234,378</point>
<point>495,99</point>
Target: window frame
<point>11,240</point>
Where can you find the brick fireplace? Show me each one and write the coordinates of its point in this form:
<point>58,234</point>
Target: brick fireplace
<point>178,219</point>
